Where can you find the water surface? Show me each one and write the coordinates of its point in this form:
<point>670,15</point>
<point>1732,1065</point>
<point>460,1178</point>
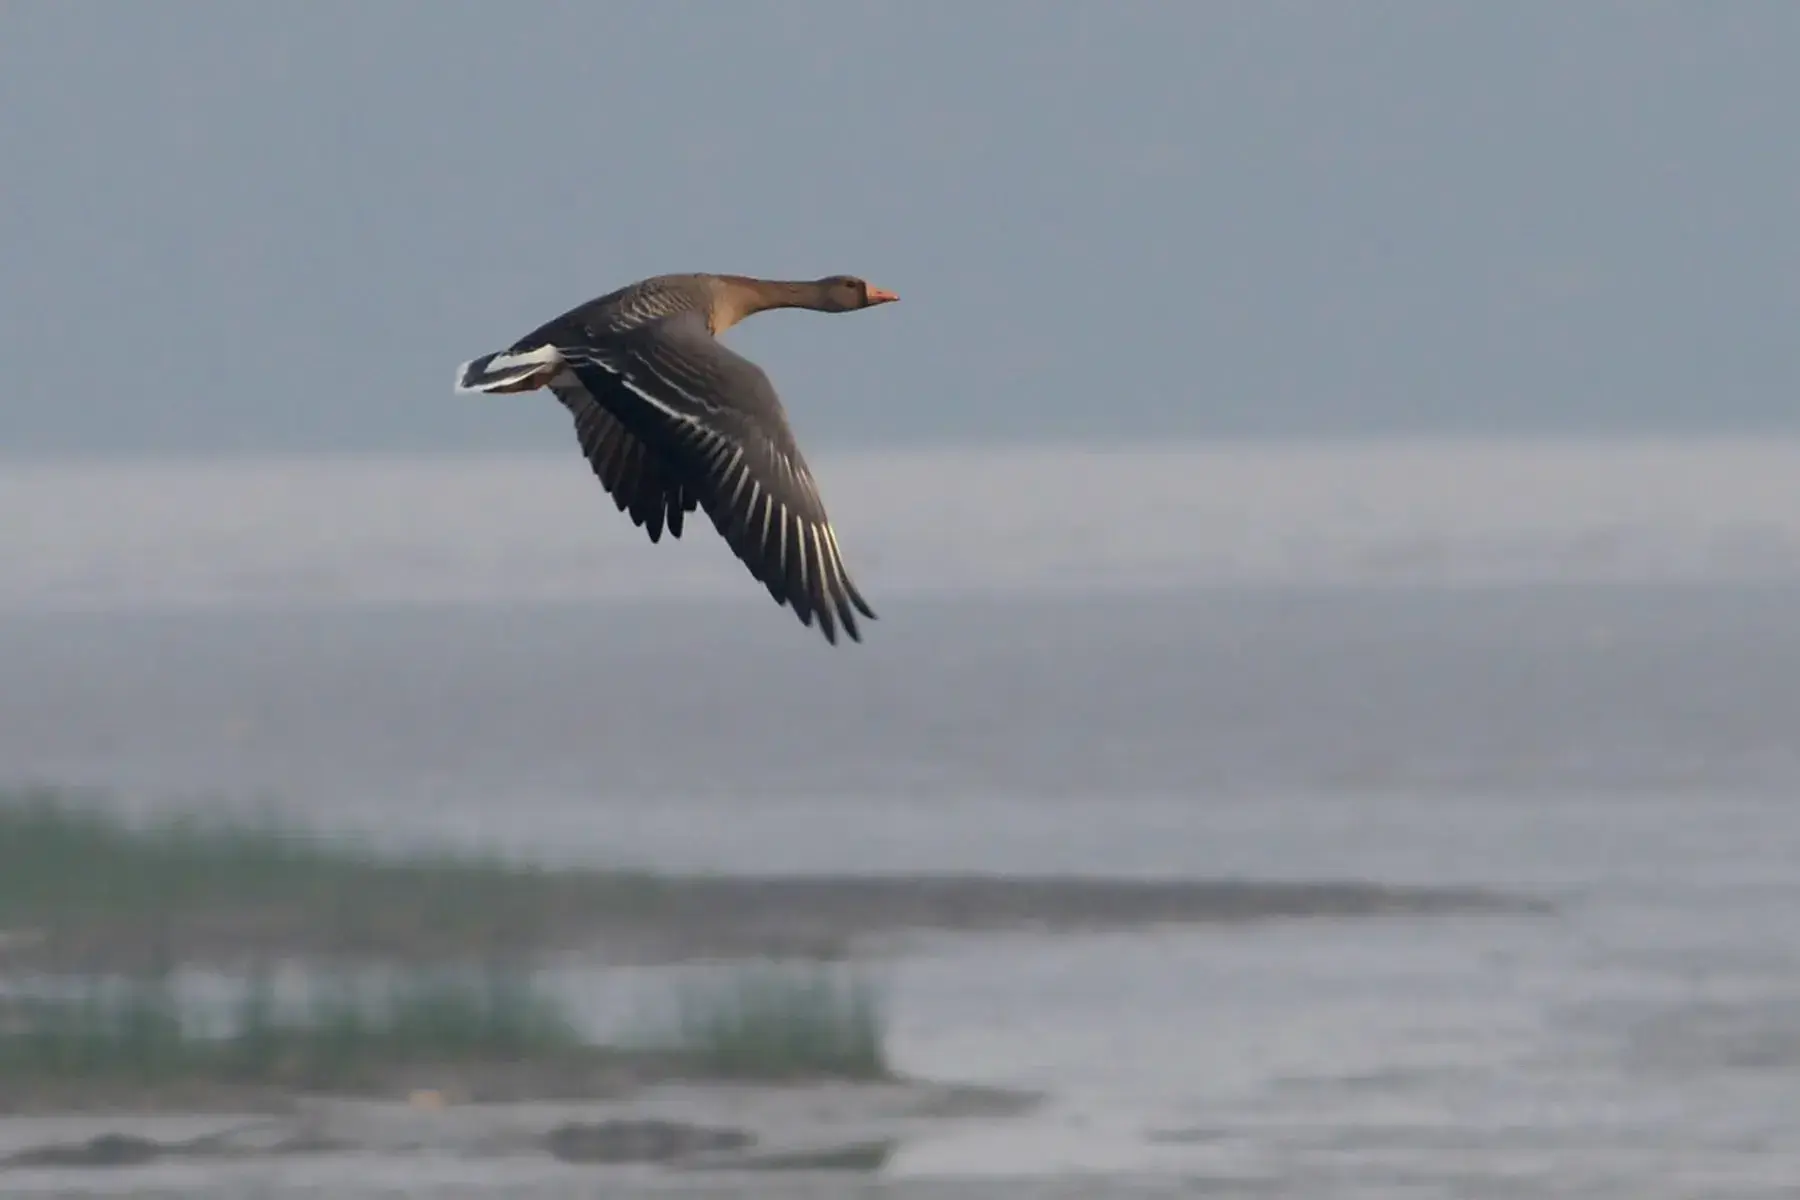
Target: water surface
<point>1622,745</point>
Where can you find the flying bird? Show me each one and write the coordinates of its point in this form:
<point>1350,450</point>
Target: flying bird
<point>672,420</point>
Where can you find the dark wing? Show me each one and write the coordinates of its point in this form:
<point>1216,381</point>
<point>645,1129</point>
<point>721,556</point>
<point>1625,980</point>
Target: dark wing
<point>640,482</point>
<point>718,411</point>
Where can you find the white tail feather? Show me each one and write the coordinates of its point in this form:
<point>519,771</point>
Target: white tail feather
<point>506,370</point>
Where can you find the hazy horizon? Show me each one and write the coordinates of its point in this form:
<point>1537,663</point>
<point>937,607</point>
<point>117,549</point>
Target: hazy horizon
<point>249,230</point>
<point>535,528</point>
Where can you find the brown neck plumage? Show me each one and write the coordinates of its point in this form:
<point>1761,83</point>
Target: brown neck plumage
<point>738,296</point>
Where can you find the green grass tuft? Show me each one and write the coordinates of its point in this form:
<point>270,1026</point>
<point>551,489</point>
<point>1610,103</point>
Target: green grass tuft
<point>97,887</point>
<point>780,1021</point>
<point>344,1036</point>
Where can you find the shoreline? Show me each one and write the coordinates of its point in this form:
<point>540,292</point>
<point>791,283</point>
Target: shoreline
<point>669,920</point>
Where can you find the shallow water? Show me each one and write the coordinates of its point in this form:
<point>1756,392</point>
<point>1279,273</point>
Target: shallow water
<point>1627,751</point>
<point>1624,752</point>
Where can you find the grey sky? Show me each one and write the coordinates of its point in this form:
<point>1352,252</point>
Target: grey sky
<point>259,227</point>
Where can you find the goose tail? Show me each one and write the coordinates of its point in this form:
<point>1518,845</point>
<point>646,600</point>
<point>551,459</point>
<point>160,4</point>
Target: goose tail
<point>509,370</point>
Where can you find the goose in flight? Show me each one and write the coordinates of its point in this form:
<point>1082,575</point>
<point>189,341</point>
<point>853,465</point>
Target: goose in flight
<point>672,420</point>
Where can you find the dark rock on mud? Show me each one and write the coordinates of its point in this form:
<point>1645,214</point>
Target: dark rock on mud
<point>256,1140</point>
<point>106,1150</point>
<point>647,1141</point>
<point>857,1156</point>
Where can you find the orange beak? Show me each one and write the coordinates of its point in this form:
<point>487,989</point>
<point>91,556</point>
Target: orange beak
<point>880,295</point>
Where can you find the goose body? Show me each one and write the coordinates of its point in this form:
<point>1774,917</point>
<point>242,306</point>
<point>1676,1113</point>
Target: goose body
<point>671,420</point>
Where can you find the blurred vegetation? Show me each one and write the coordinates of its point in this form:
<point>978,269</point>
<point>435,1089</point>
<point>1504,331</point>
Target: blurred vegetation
<point>97,912</point>
<point>344,1036</point>
<point>101,890</point>
<point>780,1021</point>
<point>752,1023</point>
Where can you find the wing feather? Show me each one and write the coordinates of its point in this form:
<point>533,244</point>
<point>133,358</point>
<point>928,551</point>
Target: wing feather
<point>714,418</point>
<point>641,484</point>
